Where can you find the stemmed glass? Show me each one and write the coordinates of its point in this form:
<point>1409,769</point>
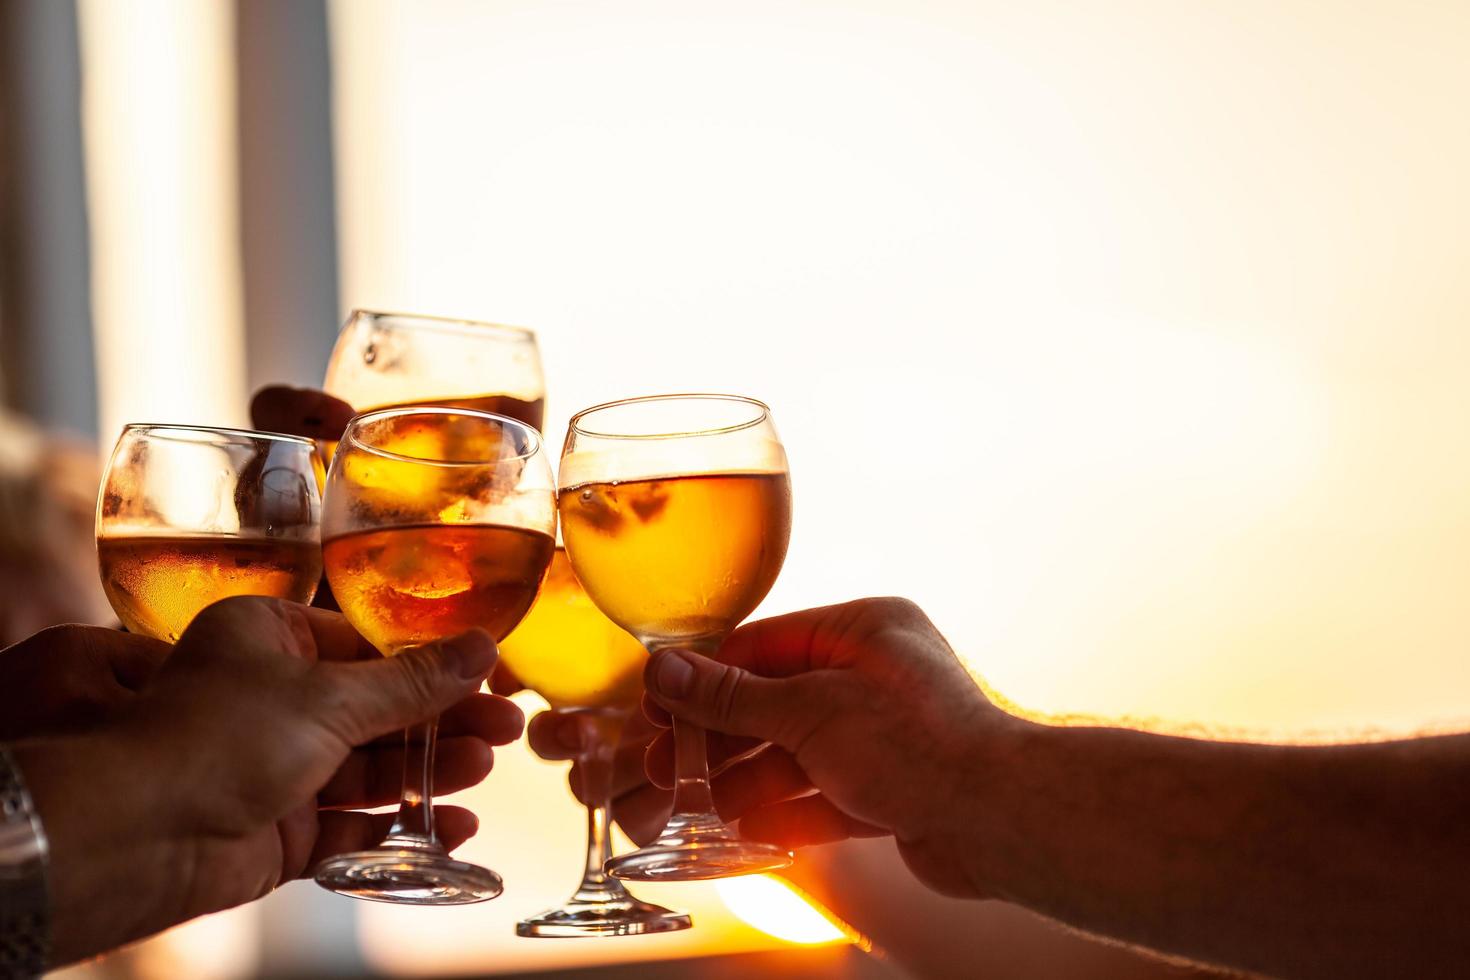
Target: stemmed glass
<point>393,360</point>
<point>676,511</point>
<point>567,651</point>
<point>188,515</point>
<point>396,359</point>
<point>437,520</point>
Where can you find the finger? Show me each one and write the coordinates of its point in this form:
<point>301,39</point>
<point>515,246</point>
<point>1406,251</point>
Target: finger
<point>735,701</point>
<point>631,764</point>
<point>373,776</point>
<point>801,822</point>
<point>769,776</point>
<point>783,646</point>
<point>300,412</point>
<point>638,730</point>
<point>629,768</point>
<point>503,682</point>
<point>335,637</point>
<point>643,812</point>
<point>628,764</point>
<point>818,639</point>
<point>654,714</point>
<point>487,717</point>
<point>558,735</point>
<point>454,825</point>
<point>341,831</point>
<point>361,701</point>
<point>658,761</point>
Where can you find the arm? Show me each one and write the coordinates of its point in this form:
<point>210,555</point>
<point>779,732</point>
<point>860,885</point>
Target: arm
<point>1317,861</point>
<point>1324,861</point>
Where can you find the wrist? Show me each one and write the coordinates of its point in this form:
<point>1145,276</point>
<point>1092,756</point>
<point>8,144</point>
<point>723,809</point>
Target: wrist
<point>984,831</point>
<point>963,804</point>
<point>25,929</point>
<point>105,840</point>
<point>1015,805</point>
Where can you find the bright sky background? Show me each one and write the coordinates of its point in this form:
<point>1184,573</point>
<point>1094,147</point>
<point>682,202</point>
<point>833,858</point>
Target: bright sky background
<point>1129,340</point>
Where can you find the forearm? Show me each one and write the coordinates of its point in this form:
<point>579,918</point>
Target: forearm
<point>1329,861</point>
<point>106,842</point>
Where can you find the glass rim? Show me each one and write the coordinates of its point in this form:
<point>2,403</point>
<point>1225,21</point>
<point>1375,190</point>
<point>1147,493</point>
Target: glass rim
<point>444,324</point>
<point>377,414</point>
<point>763,414</point>
<point>257,435</point>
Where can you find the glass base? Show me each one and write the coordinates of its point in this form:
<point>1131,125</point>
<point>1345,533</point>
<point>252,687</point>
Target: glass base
<point>696,847</point>
<point>615,917</point>
<point>408,877</point>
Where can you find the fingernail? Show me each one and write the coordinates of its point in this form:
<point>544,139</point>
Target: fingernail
<point>674,675</point>
<point>569,733</point>
<point>471,654</point>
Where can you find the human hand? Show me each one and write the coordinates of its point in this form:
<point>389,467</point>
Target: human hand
<point>238,766</point>
<point>300,412</point>
<point>67,678</point>
<point>874,728</point>
<point>638,806</point>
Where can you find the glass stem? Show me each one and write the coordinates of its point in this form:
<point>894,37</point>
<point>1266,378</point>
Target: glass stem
<point>691,770</point>
<point>414,826</point>
<point>691,754</point>
<point>596,772</point>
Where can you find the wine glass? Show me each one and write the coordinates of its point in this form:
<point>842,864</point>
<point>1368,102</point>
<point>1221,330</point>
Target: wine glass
<point>188,515</point>
<point>389,360</point>
<point>676,511</point>
<point>437,520</point>
<point>567,651</point>
<point>396,359</point>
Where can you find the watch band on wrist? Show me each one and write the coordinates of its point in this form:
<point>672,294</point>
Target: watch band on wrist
<point>24,908</point>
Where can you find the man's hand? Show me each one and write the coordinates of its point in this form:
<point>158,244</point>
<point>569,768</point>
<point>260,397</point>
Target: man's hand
<point>638,806</point>
<point>238,766</point>
<point>69,678</point>
<point>874,728</point>
<point>1290,860</point>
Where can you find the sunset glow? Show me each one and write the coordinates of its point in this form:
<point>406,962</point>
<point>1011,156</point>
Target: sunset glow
<point>777,909</point>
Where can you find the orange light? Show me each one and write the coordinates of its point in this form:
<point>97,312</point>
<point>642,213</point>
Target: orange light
<point>776,908</point>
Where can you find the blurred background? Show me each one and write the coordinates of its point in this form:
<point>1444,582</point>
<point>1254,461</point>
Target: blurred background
<point>1130,339</point>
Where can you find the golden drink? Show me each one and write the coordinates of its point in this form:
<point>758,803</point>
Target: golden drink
<point>529,412</point>
<point>417,583</point>
<point>158,584</point>
<point>678,557</point>
<point>568,652</point>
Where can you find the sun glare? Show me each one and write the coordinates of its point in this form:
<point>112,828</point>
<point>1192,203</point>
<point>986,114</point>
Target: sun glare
<point>777,909</point>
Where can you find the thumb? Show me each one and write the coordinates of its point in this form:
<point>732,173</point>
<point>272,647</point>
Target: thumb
<point>368,698</point>
<point>728,699</point>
